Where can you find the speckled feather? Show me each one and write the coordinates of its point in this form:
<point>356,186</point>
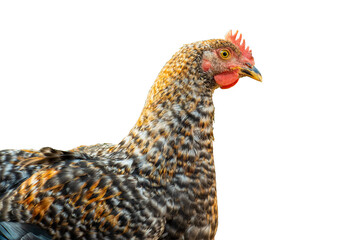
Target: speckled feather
<point>157,183</point>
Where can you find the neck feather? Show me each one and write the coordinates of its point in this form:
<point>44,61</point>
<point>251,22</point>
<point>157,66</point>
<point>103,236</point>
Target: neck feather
<point>175,130</point>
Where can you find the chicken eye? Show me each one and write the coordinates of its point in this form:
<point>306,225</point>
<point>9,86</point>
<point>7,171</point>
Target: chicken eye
<point>225,54</point>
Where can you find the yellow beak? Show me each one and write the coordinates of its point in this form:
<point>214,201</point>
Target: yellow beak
<point>251,72</point>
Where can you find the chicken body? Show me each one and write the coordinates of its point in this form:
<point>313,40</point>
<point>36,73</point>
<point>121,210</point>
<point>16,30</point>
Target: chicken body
<point>157,183</point>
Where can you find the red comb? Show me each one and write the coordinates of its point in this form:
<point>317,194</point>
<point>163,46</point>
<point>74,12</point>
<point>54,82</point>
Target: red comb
<point>246,52</point>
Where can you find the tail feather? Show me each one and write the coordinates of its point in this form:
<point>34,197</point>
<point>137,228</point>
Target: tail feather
<point>22,231</point>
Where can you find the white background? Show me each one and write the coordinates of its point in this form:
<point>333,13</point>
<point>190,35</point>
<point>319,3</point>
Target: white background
<point>286,150</point>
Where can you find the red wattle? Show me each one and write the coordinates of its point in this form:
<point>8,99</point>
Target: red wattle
<point>227,79</point>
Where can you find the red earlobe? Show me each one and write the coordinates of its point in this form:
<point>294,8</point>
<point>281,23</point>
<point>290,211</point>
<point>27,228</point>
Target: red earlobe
<point>206,65</point>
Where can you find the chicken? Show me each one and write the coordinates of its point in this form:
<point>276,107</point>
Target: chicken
<point>157,183</point>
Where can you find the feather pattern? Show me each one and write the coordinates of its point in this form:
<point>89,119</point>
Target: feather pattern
<point>157,183</point>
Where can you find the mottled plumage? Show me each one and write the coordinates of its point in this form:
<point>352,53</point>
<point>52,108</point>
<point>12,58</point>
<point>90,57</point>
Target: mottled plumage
<point>157,183</point>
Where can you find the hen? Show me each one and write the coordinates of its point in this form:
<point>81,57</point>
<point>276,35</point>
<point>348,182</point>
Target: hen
<point>157,183</point>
